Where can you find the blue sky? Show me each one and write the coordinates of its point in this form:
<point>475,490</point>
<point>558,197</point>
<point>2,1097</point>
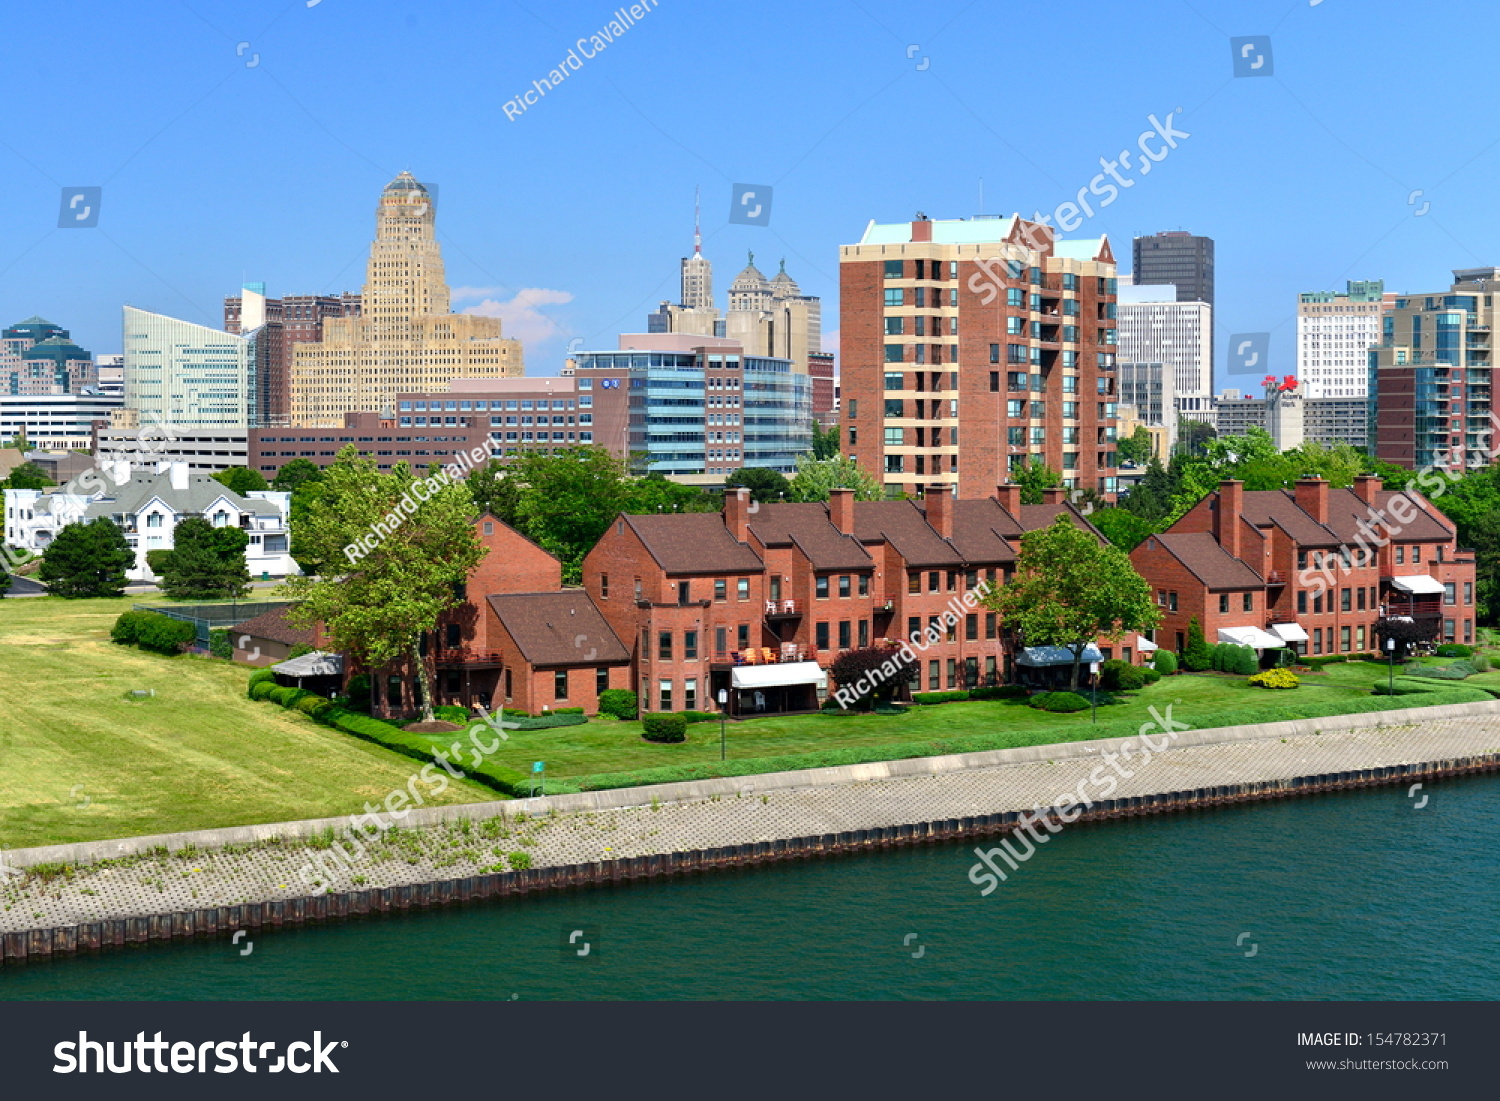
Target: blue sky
<point>569,220</point>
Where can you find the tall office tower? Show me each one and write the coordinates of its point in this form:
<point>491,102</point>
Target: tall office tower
<point>1158,326</point>
<point>39,358</point>
<point>772,317</point>
<point>1431,377</point>
<point>697,272</point>
<point>187,376</point>
<point>404,339</point>
<point>1150,389</point>
<point>1178,258</point>
<point>987,332</point>
<point>289,320</point>
<point>1334,335</point>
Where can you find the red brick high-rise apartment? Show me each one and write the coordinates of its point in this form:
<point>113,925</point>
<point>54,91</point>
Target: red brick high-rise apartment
<point>968,346</point>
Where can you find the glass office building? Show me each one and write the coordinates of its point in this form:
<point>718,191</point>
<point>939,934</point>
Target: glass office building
<point>709,411</point>
<point>187,375</point>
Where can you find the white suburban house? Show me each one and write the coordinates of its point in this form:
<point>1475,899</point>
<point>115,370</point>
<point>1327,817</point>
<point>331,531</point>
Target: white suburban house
<point>148,507</point>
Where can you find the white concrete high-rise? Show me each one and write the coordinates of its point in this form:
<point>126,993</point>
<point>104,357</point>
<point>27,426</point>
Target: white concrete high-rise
<point>1156,328</point>
<point>1334,334</point>
<point>187,375</point>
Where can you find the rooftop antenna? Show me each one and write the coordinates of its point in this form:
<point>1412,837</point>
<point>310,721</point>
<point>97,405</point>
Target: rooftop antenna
<point>697,222</point>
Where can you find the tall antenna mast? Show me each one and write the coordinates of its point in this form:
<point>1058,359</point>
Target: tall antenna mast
<point>697,223</point>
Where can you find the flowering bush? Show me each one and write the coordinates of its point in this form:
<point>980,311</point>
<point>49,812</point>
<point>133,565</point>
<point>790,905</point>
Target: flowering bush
<point>1275,678</point>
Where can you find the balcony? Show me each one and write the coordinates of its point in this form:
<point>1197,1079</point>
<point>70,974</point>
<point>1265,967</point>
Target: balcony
<point>762,655</point>
<point>778,610</point>
<point>1275,577</point>
<point>472,659</point>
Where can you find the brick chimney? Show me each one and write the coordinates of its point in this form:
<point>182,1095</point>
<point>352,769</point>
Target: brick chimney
<point>737,513</point>
<point>841,510</point>
<point>1228,516</point>
<point>1054,495</point>
<point>1312,498</point>
<point>940,510</point>
<point>1009,496</point>
<point>921,230</point>
<point>1367,488</point>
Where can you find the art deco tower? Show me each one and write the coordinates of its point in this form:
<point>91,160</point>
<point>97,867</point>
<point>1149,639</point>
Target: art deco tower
<point>405,340</point>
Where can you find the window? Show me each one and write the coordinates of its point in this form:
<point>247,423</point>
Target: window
<point>742,636</point>
<point>1346,600</point>
<point>601,680</point>
<point>894,407</point>
<point>989,625</point>
<point>952,673</point>
<point>1318,605</point>
<point>560,684</point>
<point>684,592</point>
<point>665,690</point>
<point>894,296</point>
<point>690,694</point>
<point>820,588</point>
<point>934,681</point>
<point>894,353</point>
<point>895,437</point>
<point>742,588</point>
<point>1249,602</point>
<point>1171,602</point>
<point>1302,603</point>
<point>1223,602</point>
<point>1416,553</point>
<point>455,635</point>
<point>934,582</point>
<point>1360,598</point>
<point>1344,639</point>
<point>689,645</point>
<point>604,586</point>
<point>864,584</point>
<point>845,634</point>
<point>893,380</point>
<point>864,633</point>
<point>1400,555</point>
<point>913,627</point>
<point>1447,630</point>
<point>638,589</point>
<point>893,269</point>
<point>664,646</point>
<point>844,581</point>
<point>721,589</point>
<point>1468,592</point>
<point>971,627</point>
<point>822,635</point>
<point>914,582</point>
<point>894,326</point>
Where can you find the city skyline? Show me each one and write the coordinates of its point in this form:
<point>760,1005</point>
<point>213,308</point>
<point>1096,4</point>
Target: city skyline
<point>561,251</point>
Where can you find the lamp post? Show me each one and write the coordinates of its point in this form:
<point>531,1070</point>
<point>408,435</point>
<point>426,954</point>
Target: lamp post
<point>1390,649</point>
<point>723,718</point>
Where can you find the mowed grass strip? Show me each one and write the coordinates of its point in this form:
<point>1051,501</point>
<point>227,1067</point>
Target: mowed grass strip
<point>199,754</point>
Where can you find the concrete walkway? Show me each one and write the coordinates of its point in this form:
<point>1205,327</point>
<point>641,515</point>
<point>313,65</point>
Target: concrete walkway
<point>146,876</point>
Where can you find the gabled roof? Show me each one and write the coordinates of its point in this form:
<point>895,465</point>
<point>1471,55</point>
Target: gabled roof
<point>902,524</point>
<point>563,628</point>
<point>980,530</point>
<point>807,527</point>
<point>1208,562</point>
<point>1264,507</point>
<point>275,627</point>
<point>693,543</point>
<point>201,494</point>
<point>1345,510</point>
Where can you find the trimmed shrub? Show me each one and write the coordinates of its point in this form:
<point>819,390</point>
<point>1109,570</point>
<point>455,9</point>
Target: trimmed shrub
<point>700,716</point>
<point>1241,660</point>
<point>127,628</point>
<point>545,722</point>
<point>1165,662</point>
<point>313,706</point>
<point>357,689</point>
<point>1480,662</point>
<point>1457,670</point>
<point>619,702</point>
<point>1065,703</point>
<point>262,689</point>
<point>1453,650</point>
<point>1152,676</point>
<point>164,635</point>
<point>1275,678</point>
<point>259,676</point>
<point>1121,676</point>
<point>566,711</point>
<point>664,726</point>
<point>1385,689</point>
<point>1197,655</point>
<point>219,645</point>
<point>451,713</point>
<point>930,698</point>
<point>1002,692</point>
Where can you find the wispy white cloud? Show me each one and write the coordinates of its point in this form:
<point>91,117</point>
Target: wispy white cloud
<point>521,314</point>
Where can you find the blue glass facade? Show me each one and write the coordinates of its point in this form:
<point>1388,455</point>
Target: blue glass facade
<point>712,412</point>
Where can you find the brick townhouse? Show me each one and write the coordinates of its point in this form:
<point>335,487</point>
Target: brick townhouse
<point>757,601</point>
<point>1312,568</point>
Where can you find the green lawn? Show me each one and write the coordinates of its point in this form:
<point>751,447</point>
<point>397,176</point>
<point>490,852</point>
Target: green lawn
<point>606,745</point>
<point>200,754</point>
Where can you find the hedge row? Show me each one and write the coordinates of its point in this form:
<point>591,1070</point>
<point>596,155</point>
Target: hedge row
<point>153,631</point>
<point>1000,692</point>
<point>1283,709</point>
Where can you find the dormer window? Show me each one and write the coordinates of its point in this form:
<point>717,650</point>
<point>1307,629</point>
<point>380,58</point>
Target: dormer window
<point>221,519</point>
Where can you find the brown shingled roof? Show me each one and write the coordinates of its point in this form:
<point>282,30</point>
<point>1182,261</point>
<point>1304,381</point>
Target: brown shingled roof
<point>806,525</point>
<point>274,627</point>
<point>694,543</point>
<point>1264,507</point>
<point>1208,562</point>
<point>1345,509</point>
<point>980,528</point>
<point>904,526</point>
<point>564,628</point>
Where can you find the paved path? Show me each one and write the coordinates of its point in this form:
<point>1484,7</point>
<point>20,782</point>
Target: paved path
<point>787,805</point>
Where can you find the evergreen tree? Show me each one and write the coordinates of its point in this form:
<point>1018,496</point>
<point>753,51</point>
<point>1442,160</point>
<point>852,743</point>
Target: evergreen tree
<point>825,441</point>
<point>766,486</point>
<point>87,560</point>
<point>242,480</point>
<point>296,473</point>
<point>1197,655</point>
<point>206,563</point>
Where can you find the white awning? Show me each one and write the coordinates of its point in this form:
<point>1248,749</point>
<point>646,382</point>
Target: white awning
<point>316,664</point>
<point>1144,644</point>
<point>774,676</point>
<point>1289,632</point>
<point>1418,583</point>
<point>1252,637</point>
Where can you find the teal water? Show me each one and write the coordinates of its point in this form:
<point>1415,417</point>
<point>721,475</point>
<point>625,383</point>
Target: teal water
<point>1343,896</point>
